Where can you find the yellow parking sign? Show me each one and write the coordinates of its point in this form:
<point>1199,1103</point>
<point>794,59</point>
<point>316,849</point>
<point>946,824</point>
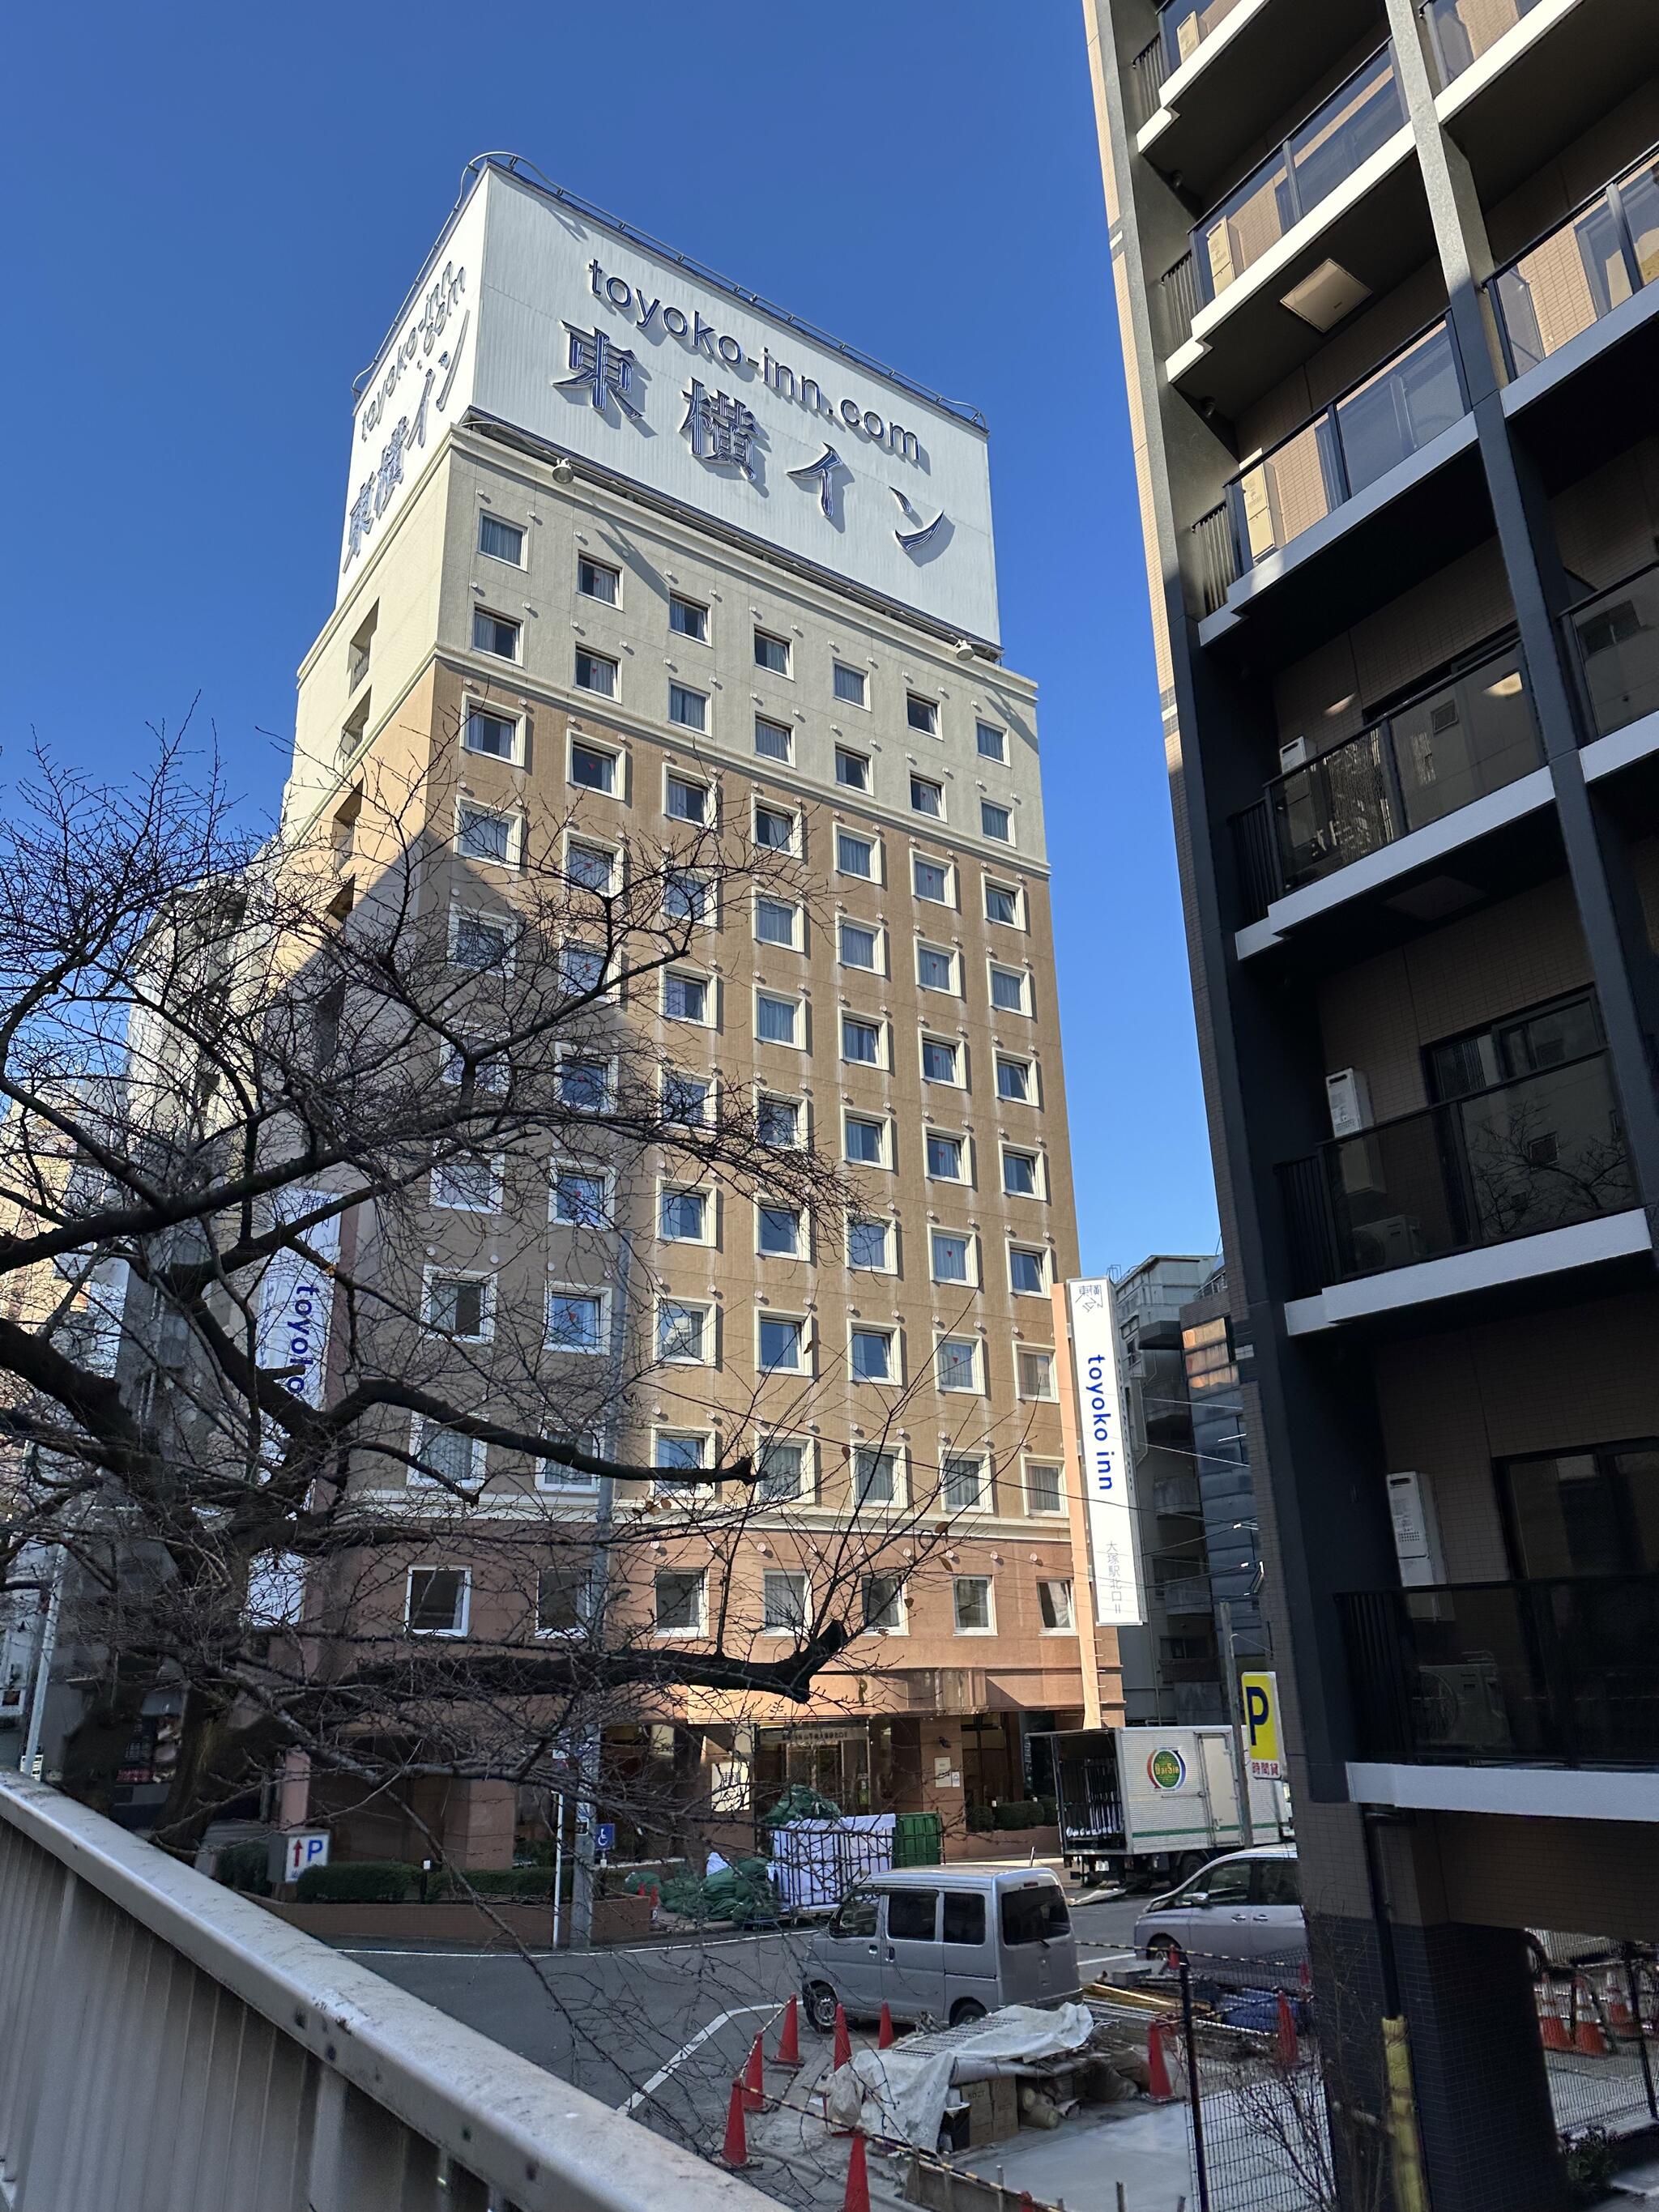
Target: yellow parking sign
<point>1261,1695</point>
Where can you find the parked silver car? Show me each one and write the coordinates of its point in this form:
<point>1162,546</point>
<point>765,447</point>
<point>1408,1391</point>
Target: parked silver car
<point>1244,1908</point>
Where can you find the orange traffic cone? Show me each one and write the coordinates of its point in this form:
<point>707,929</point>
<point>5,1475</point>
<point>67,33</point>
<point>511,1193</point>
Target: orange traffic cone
<point>1615,1999</point>
<point>1588,2038</point>
<point>841,2053</point>
<point>789,2036</point>
<point>1157,2066</point>
<point>884,2033</point>
<point>754,2081</point>
<point>857,2198</point>
<point>734,2151</point>
<point>1288,2052</point>
<point>1552,2028</point>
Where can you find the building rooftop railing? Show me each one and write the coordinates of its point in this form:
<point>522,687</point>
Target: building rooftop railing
<point>1580,269</point>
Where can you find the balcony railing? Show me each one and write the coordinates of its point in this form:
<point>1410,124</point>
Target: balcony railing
<point>1427,759</point>
<point>1305,169</point>
<point>1580,270</point>
<point>1391,413</point>
<point>1460,30</point>
<point>1538,1153</point>
<point>1615,637</point>
<point>1559,1672</point>
<point>1177,1494</point>
<point>1186,1594</point>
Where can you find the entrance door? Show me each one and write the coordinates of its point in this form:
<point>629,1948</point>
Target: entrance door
<point>912,1962</point>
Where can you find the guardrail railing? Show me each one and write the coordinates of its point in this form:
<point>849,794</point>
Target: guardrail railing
<point>164,2041</point>
<point>1615,638</point>
<point>1580,269</point>
<point>1460,30</point>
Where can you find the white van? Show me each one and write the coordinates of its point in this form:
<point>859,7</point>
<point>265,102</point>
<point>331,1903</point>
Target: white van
<point>942,1944</point>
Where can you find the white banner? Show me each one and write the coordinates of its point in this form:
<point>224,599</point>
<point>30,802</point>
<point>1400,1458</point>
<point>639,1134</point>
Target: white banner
<point>294,1298</point>
<point>1107,1500</point>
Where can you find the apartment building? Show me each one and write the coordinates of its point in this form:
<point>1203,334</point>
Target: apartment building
<point>1385,271</point>
<point>628,552</point>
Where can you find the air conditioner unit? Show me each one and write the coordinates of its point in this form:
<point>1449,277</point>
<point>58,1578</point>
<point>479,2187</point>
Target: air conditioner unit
<point>1292,756</point>
<point>1350,1099</point>
<point>1461,1706</point>
<point>1396,1243</point>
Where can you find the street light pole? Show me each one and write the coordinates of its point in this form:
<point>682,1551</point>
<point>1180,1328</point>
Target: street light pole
<point>1223,1625</point>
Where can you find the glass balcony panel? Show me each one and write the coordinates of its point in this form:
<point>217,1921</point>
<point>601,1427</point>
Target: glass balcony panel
<point>1639,194</point>
<point>1186,23</point>
<point>1243,228</point>
<point>1562,285</point>
<point>1463,30</point>
<point>1400,410</point>
<point>1474,737</point>
<point>1347,130</point>
<point>1618,639</point>
<point>1290,490</point>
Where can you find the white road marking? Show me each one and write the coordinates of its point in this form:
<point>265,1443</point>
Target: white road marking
<point>702,2037</point>
<point>1110,1959</point>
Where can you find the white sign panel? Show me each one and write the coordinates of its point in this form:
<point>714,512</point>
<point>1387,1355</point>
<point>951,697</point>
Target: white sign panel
<point>294,1297</point>
<point>303,1848</point>
<point>538,312</point>
<point>1107,1498</point>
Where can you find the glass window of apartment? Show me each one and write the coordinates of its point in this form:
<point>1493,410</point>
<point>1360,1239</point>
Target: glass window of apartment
<point>778,1231</point>
<point>687,619</point>
<point>686,1099</point>
<point>945,1160</point>
<point>936,970</point>
<point>776,1020</point>
<point>957,1363</point>
<point>483,834</point>
<point>581,969</point>
<point>872,1356</point>
<point>469,1185</point>
<point>1589,1513</point>
<point>688,708</point>
<point>584,1084</point>
<point>868,1245</point>
<point>458,1306</point>
<point>951,1257</point>
<point>922,714</point>
<point>777,921</point>
<point>941,1061</point>
<point>1044,1496</point>
<point>882,1600</point>
<point>685,896</point>
<point>777,1122</point>
<point>593,767</point>
<point>775,830</point>
<point>682,1333</point>
<point>679,1592</point>
<point>927,797</point>
<point>996,822</point>
<point>561,1601</point>
<point>849,684</point>
<point>782,1466</point>
<point>500,541</point>
<point>679,1454</point>
<point>851,769</point>
<point>447,1456</point>
<point>991,742</point>
<point>860,1040</point>
<point>437,1601</point>
<point>1019,1173</point>
<point>931,878</point>
<point>575,1321</point>
<point>684,800</point>
<point>1208,1348</point>
<point>866,1141</point>
<point>496,735</point>
<point>1002,903</point>
<point>495,634</point>
<point>1010,990</point>
<point>962,1483</point>
<point>1014,1080</point>
<point>854,855</point>
<point>684,1217</point>
<point>559,1474</point>
<point>594,580</point>
<point>580,1198</point>
<point>774,740</point>
<point>1027,1269</point>
<point>1034,1370</point>
<point>590,867</point>
<point>784,1602</point>
<point>685,997</point>
<point>970,1597</point>
<point>781,1345</point>
<point>858,945</point>
<point>875,1477</point>
<point>1055,1606</point>
<point>595,673</point>
<point>771,652</point>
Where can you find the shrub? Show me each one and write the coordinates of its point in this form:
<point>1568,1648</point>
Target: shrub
<point>532,1881</point>
<point>245,1867</point>
<point>980,1820</point>
<point>1019,1813</point>
<point>1591,2166</point>
<point>362,1881</point>
<point>1050,1811</point>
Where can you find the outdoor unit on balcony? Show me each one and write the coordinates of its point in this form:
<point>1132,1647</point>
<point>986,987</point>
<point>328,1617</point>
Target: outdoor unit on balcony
<point>1462,1705</point>
<point>1350,1097</point>
<point>1292,756</point>
<point>1395,1243</point>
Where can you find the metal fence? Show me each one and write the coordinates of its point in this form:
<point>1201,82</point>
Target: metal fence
<point>1598,2014</point>
<point>167,2046</point>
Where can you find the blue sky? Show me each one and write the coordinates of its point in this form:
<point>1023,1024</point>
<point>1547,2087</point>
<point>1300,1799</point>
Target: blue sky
<point>216,211</point>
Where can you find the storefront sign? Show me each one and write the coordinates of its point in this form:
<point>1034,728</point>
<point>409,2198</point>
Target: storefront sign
<point>1261,1747</point>
<point>1108,1502</point>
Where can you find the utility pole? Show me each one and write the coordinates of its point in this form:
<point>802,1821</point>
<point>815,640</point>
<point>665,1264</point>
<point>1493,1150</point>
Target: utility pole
<point>1224,1629</point>
<point>43,1666</point>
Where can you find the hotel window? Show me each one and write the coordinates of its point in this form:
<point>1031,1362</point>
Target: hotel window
<point>861,1041</point>
<point>436,1604</point>
<point>683,1333</point>
<point>559,1474</point>
<point>781,1345</point>
<point>884,1604</point>
<point>687,619</point>
<point>685,801</point>
<point>500,541</point>
<point>679,1601</point>
<point>991,742</point>
<point>481,942</point>
<point>1055,1607</point>
<point>856,856</point>
<point>1044,1495</point>
<point>957,1363</point>
<point>777,1123</point>
<point>684,1216</point>
<point>777,921</point>
<point>361,647</point>
<point>580,1198</point>
<point>932,880</point>
<point>922,714</point>
<point>596,581</point>
<point>496,735</point>
<point>1010,990</point>
<point>780,1465</point>
<point>771,653</point>
<point>1028,1270</point>
<point>1002,904</point>
<point>581,969</point>
<point>680,1455</point>
<point>961,1483</point>
<point>491,1071</point>
<point>466,1186</point>
<point>778,1231</point>
<point>971,1603</point>
<point>784,1603</point>
<point>869,1244</point>
<point>775,830</point>
<point>458,1306</point>
<point>1019,1174</point>
<point>688,708</point>
<point>446,1458</point>
<point>1208,1350</point>
<point>584,1084</point>
<point>561,1601</point>
<point>875,1477</point>
<point>945,1159</point>
<point>1034,1372</point>
<point>686,998</point>
<point>927,796</point>
<point>594,672</point>
<point>941,1061</point>
<point>686,1099</point>
<point>996,822</point>
<point>593,767</point>
<point>685,897</point>
<point>774,740</point>
<point>951,1260</point>
<point>936,970</point>
<point>873,1356</point>
<point>849,684</point>
<point>851,769</point>
<point>858,947</point>
<point>496,633</point>
<point>776,1020</point>
<point>483,834</point>
<point>1014,1080</point>
<point>866,1141</point>
<point>575,1321</point>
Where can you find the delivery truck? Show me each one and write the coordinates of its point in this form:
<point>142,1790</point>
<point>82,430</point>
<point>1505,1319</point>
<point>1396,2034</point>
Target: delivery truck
<point>1145,1806</point>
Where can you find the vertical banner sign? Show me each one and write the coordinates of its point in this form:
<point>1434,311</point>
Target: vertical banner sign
<point>1107,1500</point>
<point>295,1296</point>
<point>1262,1748</point>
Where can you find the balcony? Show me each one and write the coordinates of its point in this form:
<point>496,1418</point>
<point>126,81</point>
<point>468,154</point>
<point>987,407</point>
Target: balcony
<point>1523,1158</point>
<point>1461,31</point>
<point>1184,1593</point>
<point>1554,1673</point>
<point>1580,271</point>
<point>1429,759</point>
<point>1615,640</point>
<point>1183,27</point>
<point>1176,1495</point>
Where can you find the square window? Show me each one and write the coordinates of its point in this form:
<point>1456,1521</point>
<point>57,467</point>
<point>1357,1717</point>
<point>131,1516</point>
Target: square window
<point>685,997</point>
<point>685,801</point>
<point>778,1231</point>
<point>466,1186</point>
<point>575,1321</point>
<point>932,880</point>
<point>685,1099</point>
<point>495,634</point>
<point>361,647</point>
<point>687,619</point>
<point>1002,904</point>
<point>581,969</point>
<point>481,942</point>
<point>945,1158</point>
<point>875,1477</point>
<point>596,581</point>
<point>774,1019</point>
<point>779,1346</point>
<point>861,1041</point>
<point>773,740</point>
<point>858,945</point>
<point>584,1085</point>
<point>685,896</point>
<point>1019,1174</point>
<point>935,970</point>
<point>559,1474</point>
<point>771,653</point>
<point>1008,990</point>
<point>561,1601</point>
<point>991,742</point>
<point>957,1363</point>
<point>867,1243</point>
<point>437,1603</point>
<point>595,673</point>
<point>592,768</point>
<point>773,829</point>
<point>579,1198</point>
<point>971,1598</point>
<point>502,541</point>
<point>996,822</point>
<point>927,798</point>
<point>1028,1270</point>
<point>688,708</point>
<point>680,1455</point>
<point>681,1331</point>
<point>458,1306</point>
<point>480,834</point>
<point>856,856</point>
<point>1055,1606</point>
<point>1014,1080</point>
<point>883,1603</point>
<point>684,1216</point>
<point>849,684</point>
<point>446,1456</point>
<point>783,1602</point>
<point>866,1141</point>
<point>491,1071</point>
<point>950,1257</point>
<point>777,1122</point>
<point>496,735</point>
<point>679,1595</point>
<point>782,1467</point>
<point>1036,1371</point>
<point>961,1483</point>
<point>851,769</point>
<point>775,923</point>
<point>922,714</point>
<point>1042,1491</point>
<point>590,868</point>
<point>871,1354</point>
<point>939,1061</point>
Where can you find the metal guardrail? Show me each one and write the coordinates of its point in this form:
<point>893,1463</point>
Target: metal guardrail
<point>164,2042</point>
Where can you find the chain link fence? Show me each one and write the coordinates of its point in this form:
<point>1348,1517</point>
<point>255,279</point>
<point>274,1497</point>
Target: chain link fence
<point>1598,2014</point>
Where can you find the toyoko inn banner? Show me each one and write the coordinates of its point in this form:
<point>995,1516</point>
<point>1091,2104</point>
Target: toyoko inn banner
<point>1108,1502</point>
